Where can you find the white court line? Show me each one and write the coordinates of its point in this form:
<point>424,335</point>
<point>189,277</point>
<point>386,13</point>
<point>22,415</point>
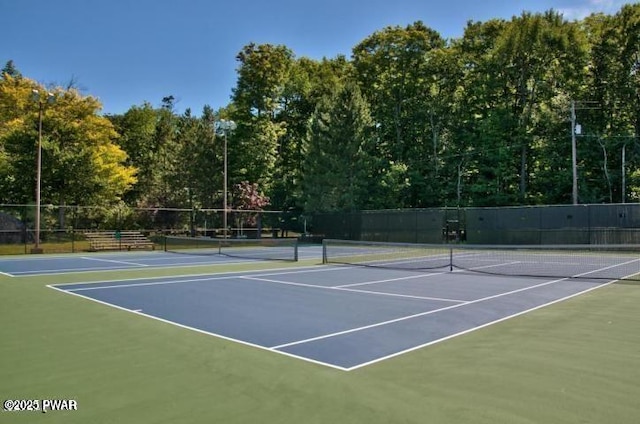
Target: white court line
<point>152,283</point>
<point>124,270</point>
<point>440,299</point>
<point>381,263</point>
<point>79,254</point>
<point>366,327</point>
<point>181,279</point>
<point>411,277</point>
<point>289,283</point>
<point>6,274</point>
<point>47,272</point>
<point>274,349</point>
<point>197,330</point>
<point>470,330</point>
<point>490,266</point>
<point>112,261</point>
<point>347,287</point>
<point>302,270</point>
<point>227,273</point>
<point>442,339</point>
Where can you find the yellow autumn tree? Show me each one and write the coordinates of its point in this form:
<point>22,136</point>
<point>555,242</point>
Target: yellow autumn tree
<point>82,162</point>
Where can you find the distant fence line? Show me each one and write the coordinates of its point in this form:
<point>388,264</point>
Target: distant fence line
<point>74,217</point>
<point>65,225</point>
<point>557,224</point>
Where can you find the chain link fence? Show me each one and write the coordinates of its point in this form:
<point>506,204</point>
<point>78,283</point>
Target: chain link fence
<point>63,228</point>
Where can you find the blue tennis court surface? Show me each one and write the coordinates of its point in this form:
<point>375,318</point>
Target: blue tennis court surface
<point>338,316</point>
<point>39,265</point>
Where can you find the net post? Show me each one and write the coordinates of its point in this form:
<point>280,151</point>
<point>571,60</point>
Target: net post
<point>450,258</point>
<point>164,242</point>
<point>295,250</point>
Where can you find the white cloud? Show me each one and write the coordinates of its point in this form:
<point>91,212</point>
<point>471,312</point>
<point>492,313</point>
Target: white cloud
<point>587,7</point>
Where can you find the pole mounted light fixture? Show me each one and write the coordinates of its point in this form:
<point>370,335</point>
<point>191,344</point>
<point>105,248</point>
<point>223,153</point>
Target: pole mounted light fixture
<point>225,127</point>
<point>42,99</point>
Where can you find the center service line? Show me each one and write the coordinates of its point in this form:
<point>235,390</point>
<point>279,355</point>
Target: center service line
<point>113,261</point>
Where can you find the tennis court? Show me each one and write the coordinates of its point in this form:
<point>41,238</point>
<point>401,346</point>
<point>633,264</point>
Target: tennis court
<point>194,253</point>
<point>348,317</point>
<point>155,336</point>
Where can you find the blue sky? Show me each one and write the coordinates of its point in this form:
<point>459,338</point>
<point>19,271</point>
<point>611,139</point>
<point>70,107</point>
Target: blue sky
<point>126,52</point>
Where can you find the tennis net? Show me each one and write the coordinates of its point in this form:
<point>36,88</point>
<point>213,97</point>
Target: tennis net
<point>283,249</point>
<point>607,262</point>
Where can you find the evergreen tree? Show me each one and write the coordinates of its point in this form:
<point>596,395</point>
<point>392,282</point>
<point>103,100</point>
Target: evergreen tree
<point>10,70</point>
<point>339,163</point>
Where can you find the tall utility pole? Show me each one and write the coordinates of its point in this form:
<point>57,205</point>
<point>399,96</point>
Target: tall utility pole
<point>576,130</point>
<point>42,101</point>
<point>574,154</point>
<point>226,176</point>
<point>624,173</point>
<point>225,127</point>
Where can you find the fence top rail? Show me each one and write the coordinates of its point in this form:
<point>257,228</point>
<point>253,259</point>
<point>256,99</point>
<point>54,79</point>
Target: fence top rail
<point>112,232</point>
<point>159,208</point>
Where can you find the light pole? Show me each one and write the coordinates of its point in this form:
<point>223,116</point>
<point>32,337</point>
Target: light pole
<point>576,129</point>
<point>37,96</point>
<point>624,172</point>
<point>225,127</point>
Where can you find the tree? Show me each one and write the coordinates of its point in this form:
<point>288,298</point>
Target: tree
<point>612,119</point>
<point>247,196</point>
<point>257,102</point>
<point>137,128</point>
<point>411,120</point>
<point>308,82</point>
<point>475,174</point>
<point>10,70</point>
<point>516,81</point>
<point>399,74</point>
<point>339,163</point>
<point>262,75</point>
<point>82,163</point>
<point>536,53</point>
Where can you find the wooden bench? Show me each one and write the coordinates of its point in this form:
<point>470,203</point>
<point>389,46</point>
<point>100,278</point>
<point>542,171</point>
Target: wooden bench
<point>114,240</point>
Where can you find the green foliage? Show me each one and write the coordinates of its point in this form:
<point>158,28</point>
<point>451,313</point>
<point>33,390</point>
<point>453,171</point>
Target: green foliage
<point>81,162</point>
<point>10,70</point>
<point>402,75</point>
<point>482,120</point>
<point>611,120</point>
<point>259,99</point>
<point>137,130</point>
<point>200,159</point>
<point>262,75</point>
<point>339,160</point>
<point>410,120</point>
